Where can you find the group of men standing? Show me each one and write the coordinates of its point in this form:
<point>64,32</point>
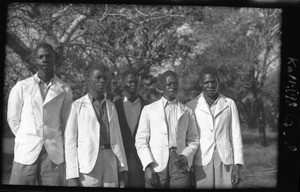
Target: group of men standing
<point>124,143</point>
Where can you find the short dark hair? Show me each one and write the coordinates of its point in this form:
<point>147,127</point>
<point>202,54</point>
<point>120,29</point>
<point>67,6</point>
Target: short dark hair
<point>130,71</point>
<point>45,46</point>
<point>209,70</point>
<point>99,67</point>
<point>167,74</point>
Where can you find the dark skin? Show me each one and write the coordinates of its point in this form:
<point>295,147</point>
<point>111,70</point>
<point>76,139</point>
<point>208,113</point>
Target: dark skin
<point>130,87</point>
<point>170,88</point>
<point>98,81</point>
<point>210,87</point>
<point>45,59</point>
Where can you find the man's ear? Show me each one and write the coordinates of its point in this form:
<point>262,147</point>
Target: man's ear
<point>160,86</point>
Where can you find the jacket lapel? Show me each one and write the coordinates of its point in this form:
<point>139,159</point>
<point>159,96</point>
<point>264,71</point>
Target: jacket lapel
<point>159,109</point>
<point>92,117</point>
<point>221,105</point>
<point>181,110</point>
<point>114,135</point>
<point>35,92</point>
<point>109,111</point>
<point>202,105</point>
<point>54,90</point>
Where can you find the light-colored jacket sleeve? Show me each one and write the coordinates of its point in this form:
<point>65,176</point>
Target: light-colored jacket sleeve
<point>192,139</point>
<point>236,135</point>
<point>142,139</point>
<point>71,133</point>
<point>14,108</point>
<point>66,107</point>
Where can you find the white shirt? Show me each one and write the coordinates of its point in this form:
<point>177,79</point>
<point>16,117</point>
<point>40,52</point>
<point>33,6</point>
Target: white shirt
<point>170,108</point>
<point>132,112</point>
<point>44,87</point>
<point>212,108</point>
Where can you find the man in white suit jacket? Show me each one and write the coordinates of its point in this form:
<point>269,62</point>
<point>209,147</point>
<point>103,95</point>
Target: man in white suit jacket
<point>94,151</point>
<point>220,156</point>
<point>167,139</point>
<point>38,108</point>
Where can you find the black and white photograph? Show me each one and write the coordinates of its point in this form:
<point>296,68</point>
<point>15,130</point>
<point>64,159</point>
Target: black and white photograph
<point>138,96</point>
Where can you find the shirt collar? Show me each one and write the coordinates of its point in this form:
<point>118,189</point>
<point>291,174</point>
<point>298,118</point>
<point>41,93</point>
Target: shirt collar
<point>165,101</point>
<point>216,101</point>
<point>92,98</point>
<point>37,78</point>
<point>126,100</point>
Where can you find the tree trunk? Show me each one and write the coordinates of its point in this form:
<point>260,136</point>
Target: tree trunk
<point>261,123</point>
<point>14,42</point>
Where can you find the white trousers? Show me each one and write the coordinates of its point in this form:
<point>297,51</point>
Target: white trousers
<point>105,172</point>
<point>213,175</point>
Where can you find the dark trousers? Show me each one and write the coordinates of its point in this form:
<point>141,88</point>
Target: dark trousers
<point>171,177</point>
<point>136,177</point>
<point>42,172</point>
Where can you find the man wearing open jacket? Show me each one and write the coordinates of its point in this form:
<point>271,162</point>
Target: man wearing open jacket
<point>38,109</point>
<point>94,150</point>
<point>220,156</point>
<point>167,138</point>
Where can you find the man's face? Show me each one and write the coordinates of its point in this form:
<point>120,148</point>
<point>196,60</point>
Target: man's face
<point>131,84</point>
<point>45,60</point>
<point>209,84</point>
<point>170,87</point>
<point>98,81</point>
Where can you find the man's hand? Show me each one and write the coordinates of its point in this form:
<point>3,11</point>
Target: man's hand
<point>181,162</point>
<point>150,176</point>
<point>74,182</point>
<point>236,174</point>
<point>123,179</point>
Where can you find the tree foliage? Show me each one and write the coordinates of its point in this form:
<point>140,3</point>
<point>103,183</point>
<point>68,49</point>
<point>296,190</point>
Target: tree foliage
<point>242,43</point>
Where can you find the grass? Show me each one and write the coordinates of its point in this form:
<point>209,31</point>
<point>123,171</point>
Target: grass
<point>260,170</point>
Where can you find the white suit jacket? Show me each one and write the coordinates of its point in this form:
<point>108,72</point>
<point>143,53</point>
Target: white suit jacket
<point>82,137</point>
<point>152,135</point>
<point>35,122</point>
<point>222,129</point>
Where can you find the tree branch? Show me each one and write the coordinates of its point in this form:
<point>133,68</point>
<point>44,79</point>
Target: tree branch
<point>104,14</point>
<point>18,46</point>
<point>74,25</point>
<point>147,15</point>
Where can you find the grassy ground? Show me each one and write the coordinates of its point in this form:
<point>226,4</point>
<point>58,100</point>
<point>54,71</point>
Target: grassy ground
<point>260,168</point>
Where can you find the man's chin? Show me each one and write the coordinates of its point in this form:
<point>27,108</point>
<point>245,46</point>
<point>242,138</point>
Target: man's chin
<point>211,94</point>
<point>172,96</point>
<point>45,70</point>
<point>100,90</point>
